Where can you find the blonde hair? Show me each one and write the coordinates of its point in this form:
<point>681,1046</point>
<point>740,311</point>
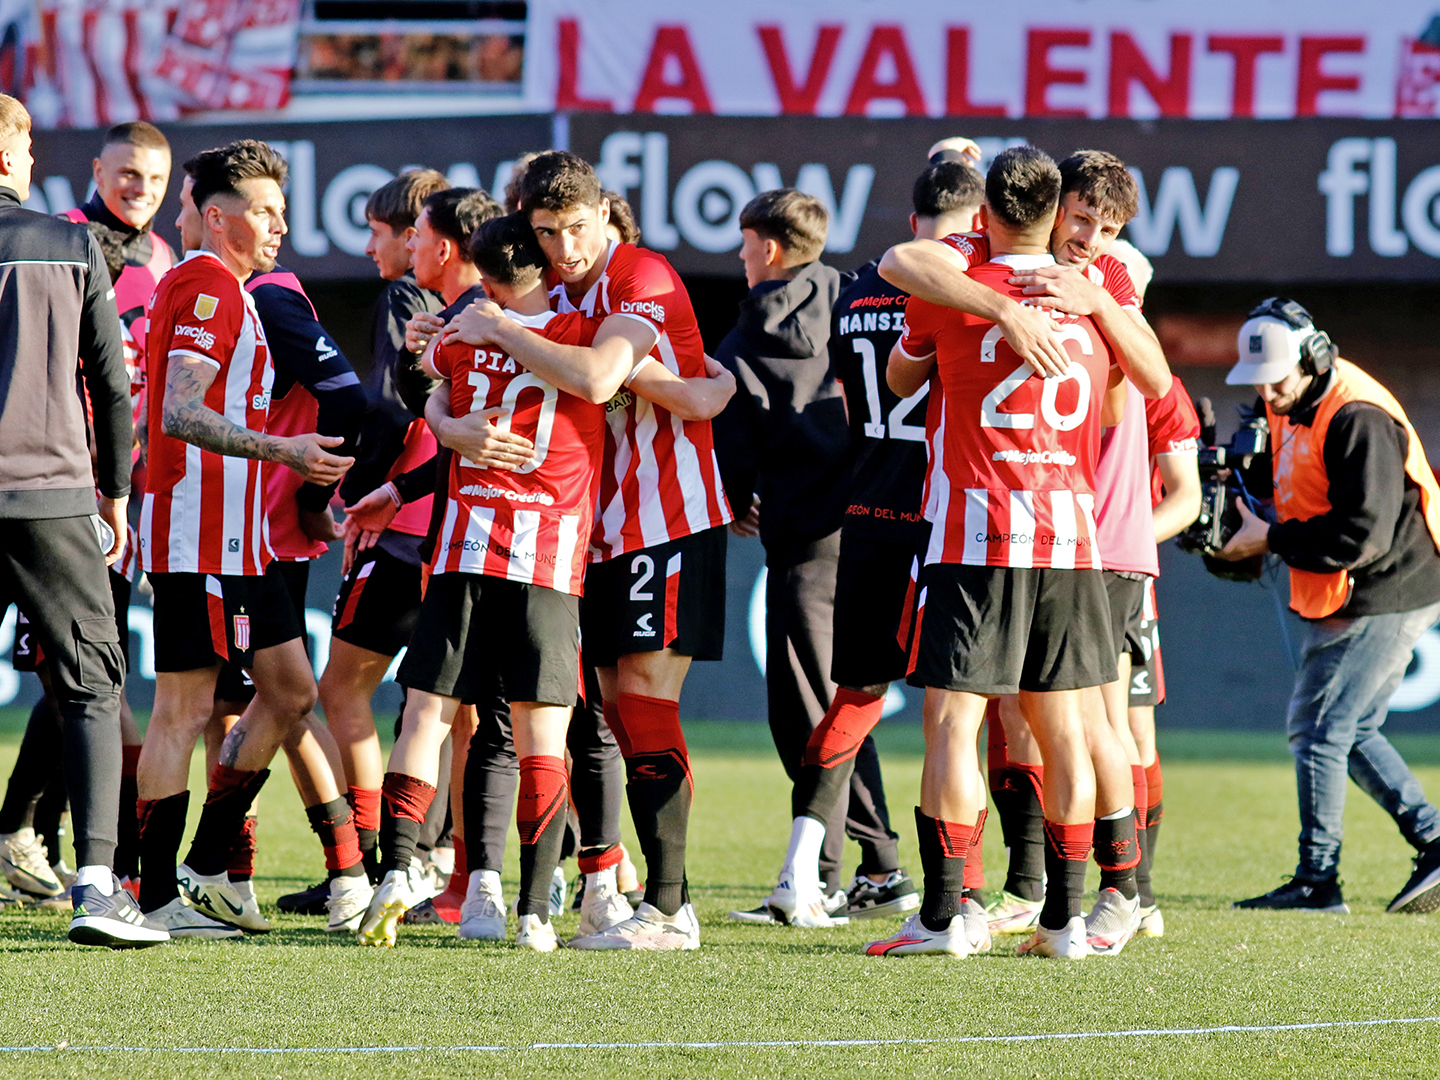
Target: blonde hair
<point>14,118</point>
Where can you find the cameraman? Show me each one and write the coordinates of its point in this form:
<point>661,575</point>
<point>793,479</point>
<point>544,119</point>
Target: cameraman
<point>1358,512</point>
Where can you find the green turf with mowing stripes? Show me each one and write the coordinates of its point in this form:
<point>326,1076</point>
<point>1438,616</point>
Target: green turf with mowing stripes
<point>1229,832</point>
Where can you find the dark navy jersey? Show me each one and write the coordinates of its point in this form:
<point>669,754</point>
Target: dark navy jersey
<point>887,434</point>
<point>305,354</point>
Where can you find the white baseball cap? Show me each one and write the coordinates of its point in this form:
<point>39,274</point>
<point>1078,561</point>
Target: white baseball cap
<point>1269,349</point>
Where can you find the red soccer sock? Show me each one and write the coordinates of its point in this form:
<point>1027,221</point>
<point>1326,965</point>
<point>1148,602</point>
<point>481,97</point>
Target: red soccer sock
<point>365,803</point>
<point>540,819</point>
<point>851,717</point>
<point>660,789</point>
<point>408,798</point>
<point>601,859</point>
<point>975,859</point>
<point>334,824</point>
<point>616,725</point>
<point>1155,792</point>
<point>241,864</point>
<point>447,904</point>
<point>1142,794</point>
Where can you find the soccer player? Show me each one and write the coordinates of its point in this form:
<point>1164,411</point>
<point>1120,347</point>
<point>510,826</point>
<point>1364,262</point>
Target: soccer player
<point>510,556</point>
<point>203,545</point>
<point>1011,595</point>
<point>655,592</point>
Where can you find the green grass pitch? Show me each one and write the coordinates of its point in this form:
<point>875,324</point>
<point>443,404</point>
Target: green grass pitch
<point>1229,832</point>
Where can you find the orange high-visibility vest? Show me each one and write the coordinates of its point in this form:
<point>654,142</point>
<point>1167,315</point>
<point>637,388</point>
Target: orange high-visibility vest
<point>1302,490</point>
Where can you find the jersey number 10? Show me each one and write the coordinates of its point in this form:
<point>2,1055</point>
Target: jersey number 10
<point>544,426</point>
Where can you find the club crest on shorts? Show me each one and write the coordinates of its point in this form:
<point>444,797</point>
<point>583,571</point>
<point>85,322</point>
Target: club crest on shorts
<point>205,305</point>
<point>242,632</point>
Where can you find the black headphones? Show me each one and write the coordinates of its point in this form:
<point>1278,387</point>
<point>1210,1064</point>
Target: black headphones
<point>1317,352</point>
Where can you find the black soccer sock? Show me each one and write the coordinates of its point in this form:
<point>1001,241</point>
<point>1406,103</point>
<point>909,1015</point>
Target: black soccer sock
<point>127,847</point>
<point>408,799</point>
<point>1015,791</point>
<point>491,778</point>
<point>232,793</point>
<point>1067,851</point>
<point>1148,837</point>
<point>49,812</point>
<point>161,827</point>
<point>943,847</point>
<point>818,790</point>
<point>660,791</point>
<point>1117,853</point>
<point>334,823</point>
<point>540,820</point>
<point>597,771</point>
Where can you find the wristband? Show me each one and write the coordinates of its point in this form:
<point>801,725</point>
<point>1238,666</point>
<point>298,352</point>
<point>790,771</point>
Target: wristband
<point>390,489</point>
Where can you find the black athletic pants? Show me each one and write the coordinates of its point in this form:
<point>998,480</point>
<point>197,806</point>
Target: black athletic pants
<point>799,634</point>
<point>54,570</point>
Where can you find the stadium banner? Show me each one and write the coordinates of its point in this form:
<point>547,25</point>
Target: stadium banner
<point>1054,58</point>
<point>1245,200</point>
<point>334,166</point>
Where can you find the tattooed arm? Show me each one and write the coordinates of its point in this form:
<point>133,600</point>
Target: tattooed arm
<point>185,416</point>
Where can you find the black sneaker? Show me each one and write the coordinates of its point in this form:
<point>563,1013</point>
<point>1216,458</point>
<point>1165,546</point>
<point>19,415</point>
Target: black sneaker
<point>868,900</point>
<point>309,901</point>
<point>113,921</point>
<point>1297,894</point>
<point>1421,894</point>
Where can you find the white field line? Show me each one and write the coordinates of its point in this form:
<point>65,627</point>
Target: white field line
<point>1226,1029</point>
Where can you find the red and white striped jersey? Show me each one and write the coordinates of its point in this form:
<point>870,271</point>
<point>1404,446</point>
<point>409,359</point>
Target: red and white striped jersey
<point>660,480</point>
<point>204,513</point>
<point>527,525</point>
<point>1106,271</point>
<point>1013,461</point>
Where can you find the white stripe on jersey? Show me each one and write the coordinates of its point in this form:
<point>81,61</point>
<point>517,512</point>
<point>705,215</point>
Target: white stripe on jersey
<point>687,458</point>
<point>935,479</point>
<point>977,528</point>
<point>567,539</point>
<point>1062,511</point>
<point>524,537</point>
<point>185,509</point>
<point>1022,528</point>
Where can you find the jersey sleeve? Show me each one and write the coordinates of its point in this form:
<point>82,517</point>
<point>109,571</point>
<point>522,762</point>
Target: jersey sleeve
<point>209,317</point>
<point>917,342</point>
<point>974,248</point>
<point>445,358</point>
<point>571,328</point>
<point>1117,283</point>
<point>644,289</point>
<point>1173,424</point>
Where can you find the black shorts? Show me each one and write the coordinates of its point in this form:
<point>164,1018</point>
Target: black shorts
<point>874,610</point>
<point>1127,604</point>
<point>378,602</point>
<point>234,683</point>
<point>1000,629</point>
<point>1147,672</point>
<point>475,630</point>
<point>27,654</point>
<point>670,596</point>
<point>200,618</point>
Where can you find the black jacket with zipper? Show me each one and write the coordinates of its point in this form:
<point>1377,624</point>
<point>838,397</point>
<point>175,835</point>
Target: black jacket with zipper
<point>57,317</point>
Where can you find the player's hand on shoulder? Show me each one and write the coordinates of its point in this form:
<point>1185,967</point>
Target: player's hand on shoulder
<point>475,325</point>
<point>421,329</point>
<point>1063,288</point>
<point>476,438</point>
<point>309,455</point>
<point>1032,332</point>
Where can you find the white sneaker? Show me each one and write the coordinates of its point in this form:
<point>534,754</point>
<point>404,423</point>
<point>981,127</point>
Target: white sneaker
<point>1152,922</point>
<point>648,930</point>
<point>22,859</point>
<point>915,938</point>
<point>1011,914</point>
<point>802,907</point>
<point>349,900</point>
<point>536,935</point>
<point>1067,944</point>
<point>390,901</point>
<point>424,883</point>
<point>215,896</point>
<point>183,921</point>
<point>1112,922</point>
<point>602,906</point>
<point>977,925</point>
<point>558,890</point>
<point>482,915</point>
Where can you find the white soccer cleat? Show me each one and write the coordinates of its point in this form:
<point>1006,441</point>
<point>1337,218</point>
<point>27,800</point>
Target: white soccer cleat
<point>215,896</point>
<point>1066,944</point>
<point>349,900</point>
<point>22,859</point>
<point>482,915</point>
<point>558,891</point>
<point>394,897</point>
<point>1152,922</point>
<point>916,939</point>
<point>977,925</point>
<point>602,905</point>
<point>1112,922</point>
<point>648,930</point>
<point>799,906</point>
<point>1011,914</point>
<point>181,921</point>
<point>535,935</point>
